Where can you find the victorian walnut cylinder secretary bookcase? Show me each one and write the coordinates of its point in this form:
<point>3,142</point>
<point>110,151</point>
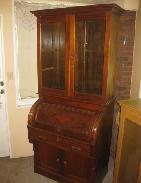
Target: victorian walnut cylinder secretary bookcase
<point>70,125</point>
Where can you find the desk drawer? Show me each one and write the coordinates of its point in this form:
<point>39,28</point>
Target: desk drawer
<point>59,141</point>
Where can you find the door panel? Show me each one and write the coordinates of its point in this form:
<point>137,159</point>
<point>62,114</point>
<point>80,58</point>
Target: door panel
<point>48,156</point>
<point>4,141</point>
<point>76,166</point>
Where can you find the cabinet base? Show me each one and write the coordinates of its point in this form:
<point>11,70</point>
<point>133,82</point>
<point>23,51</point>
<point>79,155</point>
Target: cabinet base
<point>56,176</point>
<point>61,179</point>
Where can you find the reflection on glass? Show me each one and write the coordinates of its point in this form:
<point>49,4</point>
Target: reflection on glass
<point>53,55</point>
<point>90,39</point>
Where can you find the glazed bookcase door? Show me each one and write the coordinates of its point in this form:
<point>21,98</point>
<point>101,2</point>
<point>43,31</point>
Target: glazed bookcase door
<point>53,47</point>
<point>89,67</point>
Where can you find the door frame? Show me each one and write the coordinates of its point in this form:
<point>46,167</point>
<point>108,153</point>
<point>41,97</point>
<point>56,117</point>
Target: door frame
<point>2,52</point>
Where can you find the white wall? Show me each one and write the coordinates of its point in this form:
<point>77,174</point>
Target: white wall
<point>17,117</point>
<point>126,4</point>
<point>131,4</point>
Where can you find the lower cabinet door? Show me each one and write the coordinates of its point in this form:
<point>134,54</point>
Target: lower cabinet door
<point>76,167</point>
<point>66,166</point>
<point>47,157</point>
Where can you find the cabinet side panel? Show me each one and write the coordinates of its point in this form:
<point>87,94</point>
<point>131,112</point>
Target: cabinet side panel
<point>130,153</point>
<point>102,148</point>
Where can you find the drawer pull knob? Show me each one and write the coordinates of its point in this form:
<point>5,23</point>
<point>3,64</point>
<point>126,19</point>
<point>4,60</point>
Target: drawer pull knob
<point>57,159</point>
<point>65,162</point>
<point>76,148</point>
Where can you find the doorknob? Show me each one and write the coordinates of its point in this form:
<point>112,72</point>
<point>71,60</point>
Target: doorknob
<point>1,83</point>
<point>2,91</point>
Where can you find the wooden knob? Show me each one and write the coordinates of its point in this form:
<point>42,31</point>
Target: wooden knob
<point>57,159</point>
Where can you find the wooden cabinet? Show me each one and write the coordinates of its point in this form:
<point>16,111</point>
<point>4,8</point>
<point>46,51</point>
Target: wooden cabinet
<point>128,155</point>
<point>70,125</point>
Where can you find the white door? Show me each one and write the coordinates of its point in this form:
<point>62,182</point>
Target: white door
<point>4,140</point>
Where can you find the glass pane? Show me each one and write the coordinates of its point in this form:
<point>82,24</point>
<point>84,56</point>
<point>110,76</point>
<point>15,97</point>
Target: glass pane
<point>53,54</point>
<point>90,38</point>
